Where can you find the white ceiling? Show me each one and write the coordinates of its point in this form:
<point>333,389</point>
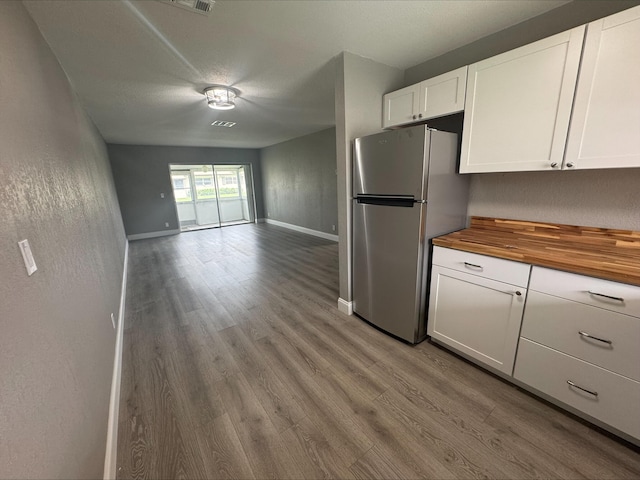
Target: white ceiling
<point>139,67</point>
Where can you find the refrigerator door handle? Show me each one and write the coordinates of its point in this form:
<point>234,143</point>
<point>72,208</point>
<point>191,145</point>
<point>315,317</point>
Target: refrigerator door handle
<point>387,200</point>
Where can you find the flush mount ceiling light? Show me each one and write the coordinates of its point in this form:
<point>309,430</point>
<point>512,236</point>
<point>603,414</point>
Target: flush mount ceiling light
<point>220,97</point>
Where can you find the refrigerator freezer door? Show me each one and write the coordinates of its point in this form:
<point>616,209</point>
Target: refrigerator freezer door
<point>387,267</point>
<point>391,163</point>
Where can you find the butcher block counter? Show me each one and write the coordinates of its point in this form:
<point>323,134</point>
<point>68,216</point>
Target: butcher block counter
<point>609,254</point>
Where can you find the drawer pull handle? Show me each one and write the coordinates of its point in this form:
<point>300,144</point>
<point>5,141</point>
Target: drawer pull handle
<point>585,334</point>
<point>595,394</point>
<point>609,297</point>
<point>473,266</point>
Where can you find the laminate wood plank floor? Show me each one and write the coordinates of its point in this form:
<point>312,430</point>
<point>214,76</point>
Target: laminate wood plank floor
<point>237,364</point>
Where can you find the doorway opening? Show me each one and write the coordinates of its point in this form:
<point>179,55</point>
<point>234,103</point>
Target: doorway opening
<point>211,195</point>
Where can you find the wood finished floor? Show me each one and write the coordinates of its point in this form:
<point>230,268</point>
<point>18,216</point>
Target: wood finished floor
<point>237,364</point>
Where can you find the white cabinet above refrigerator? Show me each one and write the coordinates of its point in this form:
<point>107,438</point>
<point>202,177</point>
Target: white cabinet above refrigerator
<point>434,97</point>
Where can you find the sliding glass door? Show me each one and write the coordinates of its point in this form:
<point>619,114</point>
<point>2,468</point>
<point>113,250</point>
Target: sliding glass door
<point>209,196</point>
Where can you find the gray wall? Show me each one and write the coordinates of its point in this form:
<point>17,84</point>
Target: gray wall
<point>603,198</point>
<point>598,198</point>
<point>141,173</point>
<point>57,344</point>
<point>555,21</point>
<point>299,181</point>
<point>360,84</point>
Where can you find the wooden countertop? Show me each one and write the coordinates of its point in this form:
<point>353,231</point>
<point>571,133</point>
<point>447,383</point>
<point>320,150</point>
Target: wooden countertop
<point>598,252</point>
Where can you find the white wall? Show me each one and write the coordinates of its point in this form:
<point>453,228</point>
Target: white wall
<point>360,84</point>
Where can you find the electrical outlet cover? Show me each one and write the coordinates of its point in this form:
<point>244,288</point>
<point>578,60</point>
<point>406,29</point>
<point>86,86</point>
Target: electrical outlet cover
<point>27,256</point>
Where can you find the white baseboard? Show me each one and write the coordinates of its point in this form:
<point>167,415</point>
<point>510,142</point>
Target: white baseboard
<point>110,457</point>
<point>163,233</point>
<point>308,231</point>
<point>345,307</point>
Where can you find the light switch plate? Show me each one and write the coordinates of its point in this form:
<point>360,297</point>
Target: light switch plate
<point>27,256</point>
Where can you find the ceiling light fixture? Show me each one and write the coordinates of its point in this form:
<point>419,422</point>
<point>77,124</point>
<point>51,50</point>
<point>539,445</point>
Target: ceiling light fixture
<point>220,97</point>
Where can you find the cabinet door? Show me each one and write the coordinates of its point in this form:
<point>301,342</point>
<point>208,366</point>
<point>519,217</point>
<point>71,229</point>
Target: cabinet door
<point>401,106</point>
<point>518,106</point>
<point>476,316</point>
<point>605,124</point>
<point>443,95</point>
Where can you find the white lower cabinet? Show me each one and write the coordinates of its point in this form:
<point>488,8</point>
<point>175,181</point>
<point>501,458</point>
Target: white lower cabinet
<point>577,343</point>
<point>577,348</point>
<point>477,316</point>
<point>604,395</point>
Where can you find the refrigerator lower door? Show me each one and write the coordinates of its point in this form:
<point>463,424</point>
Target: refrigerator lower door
<point>387,267</point>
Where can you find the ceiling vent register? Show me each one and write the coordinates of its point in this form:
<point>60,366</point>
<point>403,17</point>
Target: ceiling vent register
<point>221,123</point>
<point>202,7</point>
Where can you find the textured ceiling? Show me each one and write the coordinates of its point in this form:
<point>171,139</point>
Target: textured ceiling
<point>139,67</point>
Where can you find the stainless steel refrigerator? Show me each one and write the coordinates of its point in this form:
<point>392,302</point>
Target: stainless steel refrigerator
<point>405,192</point>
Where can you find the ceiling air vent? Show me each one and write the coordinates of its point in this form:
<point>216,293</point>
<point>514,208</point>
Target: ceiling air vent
<point>221,123</point>
<point>202,7</point>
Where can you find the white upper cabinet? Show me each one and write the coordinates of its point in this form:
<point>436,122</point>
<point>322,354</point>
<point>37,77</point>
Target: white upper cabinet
<point>518,106</point>
<point>435,97</point>
<point>605,125</point>
<point>443,95</point>
<point>401,107</point>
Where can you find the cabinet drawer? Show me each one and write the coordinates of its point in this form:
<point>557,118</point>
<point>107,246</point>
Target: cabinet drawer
<point>618,297</point>
<point>557,323</point>
<point>617,402</point>
<point>498,269</point>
